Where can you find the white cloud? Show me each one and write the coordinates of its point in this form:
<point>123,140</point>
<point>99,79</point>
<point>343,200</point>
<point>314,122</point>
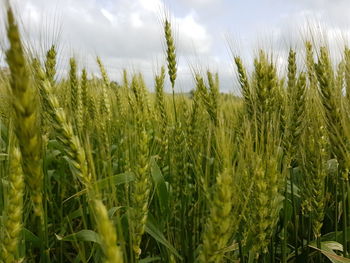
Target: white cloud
<point>136,20</point>
<point>123,33</point>
<point>108,15</point>
<point>201,3</point>
<point>194,35</point>
<point>151,5</point>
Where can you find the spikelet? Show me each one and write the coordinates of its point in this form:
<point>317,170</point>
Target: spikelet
<point>220,224</point>
<point>76,107</point>
<point>271,82</point>
<point>105,103</point>
<point>141,192</point>
<point>36,67</point>
<point>92,107</point>
<point>73,79</point>
<point>13,210</point>
<point>171,55</point>
<point>195,118</point>
<point>203,93</point>
<point>135,87</point>
<point>145,98</point>
<point>260,67</point>
<point>217,232</point>
<point>161,107</point>
<point>79,114</point>
<point>339,80</point>
<point>314,168</point>
<point>245,87</point>
<point>50,65</point>
<point>310,65</point>
<point>119,101</point>
<point>297,117</point>
<point>126,92</point>
<point>213,96</point>
<point>84,89</point>
<point>125,79</point>
<point>260,89</point>
<point>280,106</point>
<point>27,116</point>
<point>142,112</point>
<point>171,59</point>
<point>85,117</point>
<point>332,109</point>
<point>267,202</point>
<point>292,71</point>
<point>291,86</point>
<point>265,87</point>
<point>160,100</point>
<point>104,137</point>
<point>107,232</point>
<point>130,94</point>
<point>347,72</point>
<point>180,173</point>
<point>245,169</point>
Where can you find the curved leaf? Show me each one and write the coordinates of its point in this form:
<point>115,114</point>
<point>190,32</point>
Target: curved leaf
<point>83,235</point>
<point>160,186</point>
<point>153,231</point>
<point>327,249</point>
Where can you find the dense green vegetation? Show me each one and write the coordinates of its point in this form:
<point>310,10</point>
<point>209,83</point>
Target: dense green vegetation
<point>95,171</point>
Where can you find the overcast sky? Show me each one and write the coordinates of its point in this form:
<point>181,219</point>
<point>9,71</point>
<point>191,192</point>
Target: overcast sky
<point>128,33</point>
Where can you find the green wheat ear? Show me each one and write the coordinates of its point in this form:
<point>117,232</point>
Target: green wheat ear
<point>14,209</point>
<point>73,79</point>
<point>50,64</point>
<point>220,224</point>
<point>141,192</point>
<point>245,87</point>
<point>107,232</point>
<point>27,115</point>
<point>84,88</point>
<point>105,104</point>
<point>171,59</point>
<point>171,55</point>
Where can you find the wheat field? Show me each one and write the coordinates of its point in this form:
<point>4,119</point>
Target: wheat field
<point>97,171</point>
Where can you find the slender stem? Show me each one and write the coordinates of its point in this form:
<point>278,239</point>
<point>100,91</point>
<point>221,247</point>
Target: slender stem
<point>345,241</point>
<point>294,214</point>
<point>241,256</point>
<point>285,236</point>
<point>336,209</point>
<point>174,103</point>
<point>302,229</point>
<point>348,208</point>
<point>309,238</point>
<point>45,217</point>
<point>41,232</point>
<point>272,254</point>
<point>318,241</point>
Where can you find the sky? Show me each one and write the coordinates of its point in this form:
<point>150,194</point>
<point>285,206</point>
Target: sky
<point>128,33</point>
